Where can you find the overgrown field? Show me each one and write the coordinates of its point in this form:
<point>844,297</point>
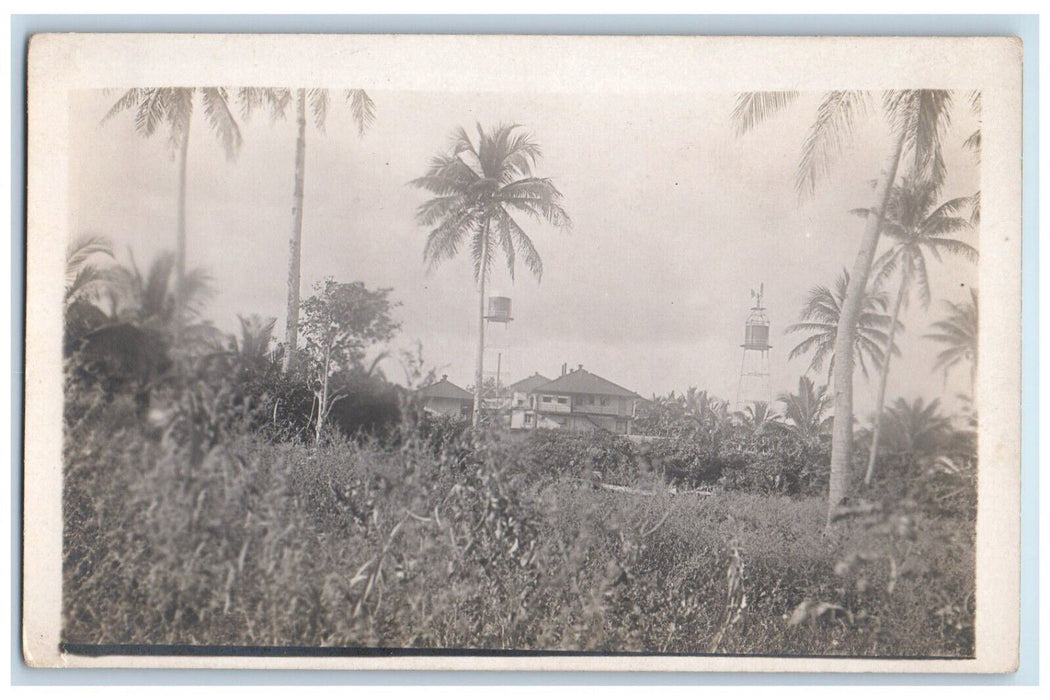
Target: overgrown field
<point>446,540</point>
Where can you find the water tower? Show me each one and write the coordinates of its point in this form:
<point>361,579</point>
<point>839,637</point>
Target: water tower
<point>754,382</point>
<point>497,337</point>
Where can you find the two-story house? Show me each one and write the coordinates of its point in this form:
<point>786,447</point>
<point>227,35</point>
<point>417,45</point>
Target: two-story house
<point>578,400</point>
<point>521,403</point>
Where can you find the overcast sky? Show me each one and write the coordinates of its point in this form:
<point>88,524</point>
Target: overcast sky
<point>675,220</point>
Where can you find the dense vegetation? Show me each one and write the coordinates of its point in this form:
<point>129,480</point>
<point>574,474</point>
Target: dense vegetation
<point>435,535</point>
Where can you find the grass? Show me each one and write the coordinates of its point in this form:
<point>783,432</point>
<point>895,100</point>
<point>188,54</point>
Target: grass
<point>481,544</point>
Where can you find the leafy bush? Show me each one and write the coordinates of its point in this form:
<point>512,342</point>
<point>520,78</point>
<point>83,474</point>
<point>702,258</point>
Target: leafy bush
<point>775,461</point>
<point>594,455</point>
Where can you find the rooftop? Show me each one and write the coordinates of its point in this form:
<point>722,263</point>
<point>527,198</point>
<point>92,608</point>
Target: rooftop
<point>527,384</point>
<point>444,389</point>
<point>580,381</point>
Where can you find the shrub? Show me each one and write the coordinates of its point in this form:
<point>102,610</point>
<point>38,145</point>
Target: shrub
<point>598,454</point>
<point>775,461</point>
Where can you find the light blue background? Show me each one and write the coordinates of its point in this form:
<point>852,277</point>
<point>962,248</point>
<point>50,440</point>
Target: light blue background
<point>1024,26</point>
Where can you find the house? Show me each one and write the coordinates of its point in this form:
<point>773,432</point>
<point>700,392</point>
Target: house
<point>579,401</point>
<point>446,398</point>
<point>519,401</point>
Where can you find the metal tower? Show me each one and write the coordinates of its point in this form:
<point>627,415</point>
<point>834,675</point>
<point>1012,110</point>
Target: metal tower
<point>754,384</point>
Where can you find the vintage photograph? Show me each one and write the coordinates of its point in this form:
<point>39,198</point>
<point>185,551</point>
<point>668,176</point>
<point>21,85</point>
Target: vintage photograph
<point>354,370</point>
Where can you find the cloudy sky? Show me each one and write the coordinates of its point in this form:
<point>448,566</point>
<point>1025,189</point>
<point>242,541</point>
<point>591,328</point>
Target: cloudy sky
<point>675,220</point>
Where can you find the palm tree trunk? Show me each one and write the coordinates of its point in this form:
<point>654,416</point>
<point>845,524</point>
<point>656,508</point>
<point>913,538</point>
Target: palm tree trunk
<point>479,367</point>
<point>881,401</point>
<point>180,235</point>
<point>845,337</point>
<point>291,324</point>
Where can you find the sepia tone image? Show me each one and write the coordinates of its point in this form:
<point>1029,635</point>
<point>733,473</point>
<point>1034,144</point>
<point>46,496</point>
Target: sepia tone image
<point>369,370</point>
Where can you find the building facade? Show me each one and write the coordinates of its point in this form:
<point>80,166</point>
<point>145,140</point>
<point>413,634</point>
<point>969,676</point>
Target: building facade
<point>579,401</point>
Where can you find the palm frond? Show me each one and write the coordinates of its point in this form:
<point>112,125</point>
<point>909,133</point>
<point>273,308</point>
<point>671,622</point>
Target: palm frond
<point>753,108</point>
<point>363,109</point>
<point>437,208</point>
<point>217,111</point>
<point>924,116</point>
<point>884,266</point>
<point>481,253</point>
<point>85,247</point>
<point>319,101</point>
<point>523,244</point>
<point>180,111</point>
<point>156,106</point>
<point>953,245</point>
<point>444,241</point>
<point>828,135</point>
<point>129,100</point>
<point>506,241</point>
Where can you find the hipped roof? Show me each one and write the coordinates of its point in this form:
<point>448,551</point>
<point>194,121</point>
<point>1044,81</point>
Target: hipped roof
<point>580,381</point>
<point>444,389</point>
<point>527,384</point>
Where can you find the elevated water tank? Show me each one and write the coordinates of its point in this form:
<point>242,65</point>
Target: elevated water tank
<point>756,330</point>
<point>499,310</point>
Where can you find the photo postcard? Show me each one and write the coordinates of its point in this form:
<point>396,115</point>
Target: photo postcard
<point>523,353</point>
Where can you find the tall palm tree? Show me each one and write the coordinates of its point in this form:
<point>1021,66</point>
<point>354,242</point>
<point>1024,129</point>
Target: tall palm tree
<point>918,120</point>
<point>278,100</point>
<point>477,187</point>
<point>958,332</point>
<point>915,226</point>
<point>172,108</point>
<point>805,412</point>
<point>819,319</point>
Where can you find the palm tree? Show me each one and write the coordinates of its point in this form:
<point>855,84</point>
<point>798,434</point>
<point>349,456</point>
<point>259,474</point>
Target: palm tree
<point>918,119</point>
<point>87,282</point>
<point>476,188</point>
<point>757,417</point>
<point>710,413</point>
<point>149,302</point>
<point>805,412</point>
<point>251,350</point>
<point>916,227</point>
<point>917,429</point>
<point>157,108</point>
<point>819,319</point>
<point>958,332</point>
<point>278,100</point>
<point>83,275</point>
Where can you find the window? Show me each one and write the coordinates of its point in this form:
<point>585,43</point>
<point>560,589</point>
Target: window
<point>563,400</point>
<point>605,401</point>
<point>547,399</point>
